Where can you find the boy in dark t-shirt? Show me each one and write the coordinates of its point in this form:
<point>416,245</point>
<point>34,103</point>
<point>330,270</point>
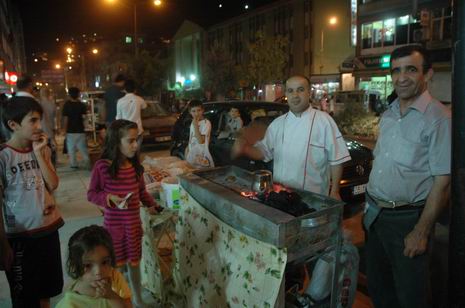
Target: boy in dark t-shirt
<point>29,223</point>
<point>73,114</point>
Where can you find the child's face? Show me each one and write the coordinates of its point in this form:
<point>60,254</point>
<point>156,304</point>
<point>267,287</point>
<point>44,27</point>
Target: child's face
<point>234,113</point>
<point>97,265</point>
<point>197,112</point>
<point>29,128</point>
<point>128,146</point>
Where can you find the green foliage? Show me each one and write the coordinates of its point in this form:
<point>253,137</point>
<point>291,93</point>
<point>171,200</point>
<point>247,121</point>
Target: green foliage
<point>148,72</point>
<point>219,71</point>
<point>268,58</point>
<point>355,120</point>
<point>146,69</point>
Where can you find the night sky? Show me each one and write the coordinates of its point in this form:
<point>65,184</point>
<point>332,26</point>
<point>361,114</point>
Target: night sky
<point>45,20</point>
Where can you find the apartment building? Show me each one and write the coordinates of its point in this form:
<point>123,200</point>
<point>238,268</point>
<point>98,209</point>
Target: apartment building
<point>384,25</point>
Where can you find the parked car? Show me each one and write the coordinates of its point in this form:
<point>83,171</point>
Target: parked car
<point>355,173</point>
<point>157,123</point>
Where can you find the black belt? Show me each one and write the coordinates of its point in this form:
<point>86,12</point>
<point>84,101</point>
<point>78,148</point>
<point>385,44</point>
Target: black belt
<point>396,205</point>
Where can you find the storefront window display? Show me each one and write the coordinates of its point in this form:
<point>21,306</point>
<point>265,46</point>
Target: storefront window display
<point>381,85</point>
<point>320,89</point>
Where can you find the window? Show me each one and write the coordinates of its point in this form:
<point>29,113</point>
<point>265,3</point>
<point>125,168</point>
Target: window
<point>367,32</point>
<point>388,31</point>
<point>377,34</point>
<point>402,30</point>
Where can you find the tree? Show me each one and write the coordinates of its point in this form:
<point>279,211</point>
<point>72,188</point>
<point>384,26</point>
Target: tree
<point>268,58</point>
<point>146,69</point>
<point>219,71</point>
<point>148,72</point>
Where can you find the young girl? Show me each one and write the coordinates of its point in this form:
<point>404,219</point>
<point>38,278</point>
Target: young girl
<point>197,152</point>
<point>117,187</point>
<point>91,262</point>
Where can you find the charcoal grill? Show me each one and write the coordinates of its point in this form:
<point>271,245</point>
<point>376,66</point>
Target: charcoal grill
<point>226,192</point>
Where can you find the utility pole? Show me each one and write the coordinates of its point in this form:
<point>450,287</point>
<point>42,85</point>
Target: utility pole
<point>457,225</point>
<point>136,49</point>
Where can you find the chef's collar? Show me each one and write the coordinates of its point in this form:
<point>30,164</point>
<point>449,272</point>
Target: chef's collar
<point>305,112</point>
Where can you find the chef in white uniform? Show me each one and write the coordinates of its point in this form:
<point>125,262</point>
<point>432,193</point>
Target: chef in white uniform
<point>305,145</point>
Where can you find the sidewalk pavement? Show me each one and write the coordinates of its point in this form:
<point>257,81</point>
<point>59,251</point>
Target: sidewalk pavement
<point>77,212</point>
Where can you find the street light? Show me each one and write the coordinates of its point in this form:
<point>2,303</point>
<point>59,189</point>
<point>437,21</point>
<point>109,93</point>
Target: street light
<point>332,21</point>
<point>134,5</point>
<point>58,66</point>
<point>95,51</point>
<point>69,50</point>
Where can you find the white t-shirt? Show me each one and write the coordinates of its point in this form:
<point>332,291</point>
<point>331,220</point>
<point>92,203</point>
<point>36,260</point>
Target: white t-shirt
<point>129,108</point>
<point>303,148</point>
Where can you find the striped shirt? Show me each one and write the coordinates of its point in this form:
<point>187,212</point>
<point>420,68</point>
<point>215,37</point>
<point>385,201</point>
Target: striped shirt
<point>124,225</point>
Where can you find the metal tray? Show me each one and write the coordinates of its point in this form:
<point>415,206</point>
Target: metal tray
<point>301,236</point>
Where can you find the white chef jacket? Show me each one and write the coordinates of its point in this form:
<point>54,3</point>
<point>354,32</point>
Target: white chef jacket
<point>129,108</point>
<point>303,148</point>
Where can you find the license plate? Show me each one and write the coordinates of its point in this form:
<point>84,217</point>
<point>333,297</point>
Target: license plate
<point>359,189</point>
<point>161,139</point>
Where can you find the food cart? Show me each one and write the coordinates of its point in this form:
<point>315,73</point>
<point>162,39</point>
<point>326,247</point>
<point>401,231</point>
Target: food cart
<point>232,249</point>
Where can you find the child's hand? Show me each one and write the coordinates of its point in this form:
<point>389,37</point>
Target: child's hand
<point>39,141</point>
<point>154,210</point>
<point>114,200</point>
<point>103,289</point>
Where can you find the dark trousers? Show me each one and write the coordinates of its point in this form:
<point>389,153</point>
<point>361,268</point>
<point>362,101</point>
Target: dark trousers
<point>393,279</point>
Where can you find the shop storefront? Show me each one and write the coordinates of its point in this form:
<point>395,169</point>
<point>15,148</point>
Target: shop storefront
<point>372,75</point>
<point>324,84</point>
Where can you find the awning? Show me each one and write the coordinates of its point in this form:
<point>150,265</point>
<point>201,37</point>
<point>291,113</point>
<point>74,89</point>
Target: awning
<point>325,78</point>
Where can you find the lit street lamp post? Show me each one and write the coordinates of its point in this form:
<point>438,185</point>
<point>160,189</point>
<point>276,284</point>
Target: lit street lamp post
<point>134,8</point>
<point>332,22</point>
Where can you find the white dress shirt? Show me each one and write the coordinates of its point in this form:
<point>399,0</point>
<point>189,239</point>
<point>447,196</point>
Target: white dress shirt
<point>303,148</point>
<point>129,108</point>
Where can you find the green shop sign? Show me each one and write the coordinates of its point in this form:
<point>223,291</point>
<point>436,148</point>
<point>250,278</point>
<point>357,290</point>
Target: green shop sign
<point>377,61</point>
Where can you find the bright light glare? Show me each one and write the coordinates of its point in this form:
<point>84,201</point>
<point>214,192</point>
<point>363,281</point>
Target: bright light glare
<point>157,2</point>
<point>220,5</point>
<point>246,6</point>
<point>57,66</point>
<point>333,20</point>
<point>193,77</point>
<point>69,50</point>
<point>95,51</point>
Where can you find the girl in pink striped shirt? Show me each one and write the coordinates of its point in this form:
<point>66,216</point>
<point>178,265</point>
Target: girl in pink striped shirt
<point>117,187</point>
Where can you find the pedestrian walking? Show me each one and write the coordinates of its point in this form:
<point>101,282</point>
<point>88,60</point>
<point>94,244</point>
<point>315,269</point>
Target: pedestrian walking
<point>111,97</point>
<point>25,87</point>
<point>117,187</point>
<point>130,107</point>
<point>73,124</point>
<point>29,219</point>
<point>408,186</point>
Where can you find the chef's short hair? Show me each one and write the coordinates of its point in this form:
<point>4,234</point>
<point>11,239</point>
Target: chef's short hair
<point>301,76</point>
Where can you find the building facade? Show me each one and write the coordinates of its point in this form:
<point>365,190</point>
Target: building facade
<point>317,31</point>
<point>12,53</point>
<point>384,25</point>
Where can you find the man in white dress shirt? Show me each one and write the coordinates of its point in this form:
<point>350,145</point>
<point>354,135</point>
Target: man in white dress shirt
<point>305,145</point>
<point>130,106</point>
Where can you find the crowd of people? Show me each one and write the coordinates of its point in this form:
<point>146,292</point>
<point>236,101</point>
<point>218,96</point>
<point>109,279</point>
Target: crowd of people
<point>407,190</point>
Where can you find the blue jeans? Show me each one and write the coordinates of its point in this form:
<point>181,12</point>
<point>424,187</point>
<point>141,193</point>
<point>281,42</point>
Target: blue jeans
<point>77,142</point>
